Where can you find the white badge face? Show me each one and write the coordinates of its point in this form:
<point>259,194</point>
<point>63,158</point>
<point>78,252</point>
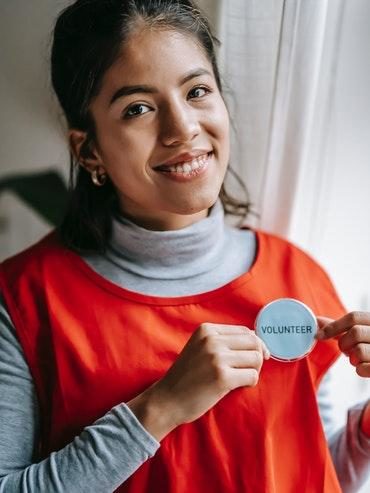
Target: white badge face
<point>288,329</point>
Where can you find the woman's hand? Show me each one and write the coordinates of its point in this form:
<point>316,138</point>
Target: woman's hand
<point>354,340</point>
<point>216,359</point>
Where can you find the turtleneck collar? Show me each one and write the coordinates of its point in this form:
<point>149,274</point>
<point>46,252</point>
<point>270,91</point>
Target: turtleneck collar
<point>181,253</point>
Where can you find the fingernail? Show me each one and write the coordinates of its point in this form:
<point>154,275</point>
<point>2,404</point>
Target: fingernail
<point>320,334</point>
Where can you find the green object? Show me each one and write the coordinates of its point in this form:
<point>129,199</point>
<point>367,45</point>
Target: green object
<point>45,192</point>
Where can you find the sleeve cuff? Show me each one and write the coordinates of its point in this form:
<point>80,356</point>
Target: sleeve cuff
<point>137,429</point>
<point>354,417</point>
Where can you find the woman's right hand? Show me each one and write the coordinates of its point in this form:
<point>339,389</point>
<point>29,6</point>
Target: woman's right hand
<point>216,359</point>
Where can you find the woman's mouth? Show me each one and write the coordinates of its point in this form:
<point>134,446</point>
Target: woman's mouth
<point>187,169</point>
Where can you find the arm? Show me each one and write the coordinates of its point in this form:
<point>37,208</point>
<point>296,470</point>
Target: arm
<point>102,457</point>
<point>216,359</point>
<point>349,445</point>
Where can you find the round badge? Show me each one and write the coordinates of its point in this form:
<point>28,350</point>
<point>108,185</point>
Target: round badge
<point>288,329</point>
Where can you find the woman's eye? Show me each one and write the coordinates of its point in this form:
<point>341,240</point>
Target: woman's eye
<point>136,110</point>
<point>198,92</point>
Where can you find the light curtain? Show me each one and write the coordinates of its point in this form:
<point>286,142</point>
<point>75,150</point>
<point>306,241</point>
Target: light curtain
<point>285,63</point>
<point>278,60</point>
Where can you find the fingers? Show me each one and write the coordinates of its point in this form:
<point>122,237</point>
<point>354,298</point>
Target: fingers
<point>363,369</point>
<point>244,359</point>
<point>211,329</point>
<point>240,341</point>
<point>355,342</point>
<point>355,335</point>
<point>234,337</point>
<point>235,354</point>
<point>215,360</point>
<point>343,324</point>
<point>354,329</point>
<point>244,378</point>
<point>323,322</point>
<point>245,341</point>
<point>359,354</point>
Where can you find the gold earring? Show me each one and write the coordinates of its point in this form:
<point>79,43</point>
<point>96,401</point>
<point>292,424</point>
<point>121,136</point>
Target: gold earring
<point>97,179</point>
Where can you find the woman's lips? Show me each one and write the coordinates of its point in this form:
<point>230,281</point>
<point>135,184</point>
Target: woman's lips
<point>184,157</point>
<point>187,170</point>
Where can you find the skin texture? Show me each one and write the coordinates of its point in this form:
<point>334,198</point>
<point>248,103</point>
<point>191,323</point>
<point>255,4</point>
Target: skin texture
<point>353,333</point>
<point>143,130</point>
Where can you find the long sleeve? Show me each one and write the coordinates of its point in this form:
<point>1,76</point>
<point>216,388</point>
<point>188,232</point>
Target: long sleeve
<point>110,450</point>
<point>102,457</point>
<point>349,446</point>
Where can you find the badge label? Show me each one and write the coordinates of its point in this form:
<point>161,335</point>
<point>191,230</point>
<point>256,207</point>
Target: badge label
<point>287,327</point>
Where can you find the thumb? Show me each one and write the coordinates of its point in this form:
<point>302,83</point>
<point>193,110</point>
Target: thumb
<point>266,352</point>
<point>323,321</point>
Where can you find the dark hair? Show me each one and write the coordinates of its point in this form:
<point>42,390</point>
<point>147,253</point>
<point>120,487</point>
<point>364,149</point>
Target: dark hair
<point>88,36</point>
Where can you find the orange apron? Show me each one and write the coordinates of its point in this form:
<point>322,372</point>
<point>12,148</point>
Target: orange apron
<point>91,344</point>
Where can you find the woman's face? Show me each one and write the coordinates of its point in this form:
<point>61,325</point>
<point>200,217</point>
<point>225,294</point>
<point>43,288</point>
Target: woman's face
<point>162,130</point>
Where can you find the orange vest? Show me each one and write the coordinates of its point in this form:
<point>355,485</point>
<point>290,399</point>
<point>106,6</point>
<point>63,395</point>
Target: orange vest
<point>91,344</point>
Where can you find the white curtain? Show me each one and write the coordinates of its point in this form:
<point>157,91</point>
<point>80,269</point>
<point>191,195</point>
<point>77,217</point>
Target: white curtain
<point>298,87</point>
<point>249,32</point>
<point>295,172</point>
<point>278,60</point>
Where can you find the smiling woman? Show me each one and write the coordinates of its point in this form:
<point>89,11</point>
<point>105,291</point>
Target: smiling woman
<point>147,98</point>
<point>128,359</point>
<point>160,105</point>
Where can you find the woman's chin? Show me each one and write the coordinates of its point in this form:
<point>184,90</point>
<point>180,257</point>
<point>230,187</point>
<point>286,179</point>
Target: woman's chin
<point>195,203</point>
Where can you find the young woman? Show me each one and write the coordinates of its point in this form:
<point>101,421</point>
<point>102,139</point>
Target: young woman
<point>128,358</point>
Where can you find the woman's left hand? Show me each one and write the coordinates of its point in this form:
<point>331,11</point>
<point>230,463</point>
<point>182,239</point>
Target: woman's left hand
<point>354,340</point>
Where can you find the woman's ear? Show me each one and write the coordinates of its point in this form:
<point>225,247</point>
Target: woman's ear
<point>84,151</point>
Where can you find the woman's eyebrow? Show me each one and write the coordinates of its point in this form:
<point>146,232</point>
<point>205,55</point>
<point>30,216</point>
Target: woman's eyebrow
<point>146,89</point>
<point>194,73</point>
<point>128,90</point>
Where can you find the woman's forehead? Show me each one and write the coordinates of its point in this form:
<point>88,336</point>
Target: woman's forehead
<point>156,55</point>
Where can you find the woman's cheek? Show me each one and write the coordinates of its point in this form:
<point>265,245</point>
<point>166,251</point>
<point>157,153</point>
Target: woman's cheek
<point>221,123</point>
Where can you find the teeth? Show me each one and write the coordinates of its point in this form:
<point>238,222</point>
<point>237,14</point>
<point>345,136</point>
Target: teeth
<point>189,166</point>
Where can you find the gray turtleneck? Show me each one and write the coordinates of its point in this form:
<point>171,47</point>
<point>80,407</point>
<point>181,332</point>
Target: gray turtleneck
<point>192,260</point>
<point>199,258</point>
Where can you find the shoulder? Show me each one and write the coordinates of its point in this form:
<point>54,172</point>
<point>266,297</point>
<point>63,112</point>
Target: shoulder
<point>278,248</point>
<point>45,251</point>
<point>296,266</point>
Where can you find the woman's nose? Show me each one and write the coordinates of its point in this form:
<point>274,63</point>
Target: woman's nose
<point>179,125</point>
